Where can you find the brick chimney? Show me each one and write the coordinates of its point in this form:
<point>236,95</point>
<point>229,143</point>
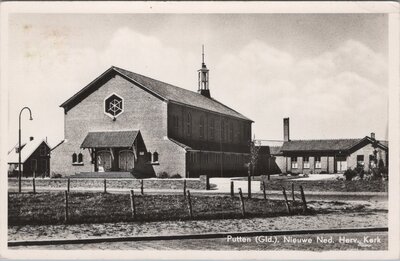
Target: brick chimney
<point>373,135</point>
<point>286,129</point>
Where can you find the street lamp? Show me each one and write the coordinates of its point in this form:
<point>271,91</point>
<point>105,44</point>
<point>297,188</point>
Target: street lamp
<point>19,146</point>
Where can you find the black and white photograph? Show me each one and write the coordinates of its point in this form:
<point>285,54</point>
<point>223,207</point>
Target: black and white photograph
<point>152,129</point>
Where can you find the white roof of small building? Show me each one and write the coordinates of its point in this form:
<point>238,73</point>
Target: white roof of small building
<point>26,151</point>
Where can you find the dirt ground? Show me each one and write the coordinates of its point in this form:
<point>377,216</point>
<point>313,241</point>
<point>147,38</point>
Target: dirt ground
<point>337,215</point>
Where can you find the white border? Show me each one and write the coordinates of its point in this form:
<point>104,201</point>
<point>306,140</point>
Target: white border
<point>104,106</point>
<point>391,8</point>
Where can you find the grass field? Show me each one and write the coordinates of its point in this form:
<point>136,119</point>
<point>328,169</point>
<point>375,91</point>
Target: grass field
<point>330,185</point>
<point>49,208</point>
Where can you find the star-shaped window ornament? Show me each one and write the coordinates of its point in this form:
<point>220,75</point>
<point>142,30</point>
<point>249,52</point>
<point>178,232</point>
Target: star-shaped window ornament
<point>113,105</point>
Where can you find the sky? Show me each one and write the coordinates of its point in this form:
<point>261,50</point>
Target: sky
<point>326,72</point>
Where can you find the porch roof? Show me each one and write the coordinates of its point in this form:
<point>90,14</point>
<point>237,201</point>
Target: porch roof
<point>110,139</point>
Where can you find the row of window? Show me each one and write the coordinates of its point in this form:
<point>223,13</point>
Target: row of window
<point>227,128</point>
<point>77,158</point>
<point>152,157</point>
<point>306,162</point>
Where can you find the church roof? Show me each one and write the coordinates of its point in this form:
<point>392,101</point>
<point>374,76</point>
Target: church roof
<point>160,89</point>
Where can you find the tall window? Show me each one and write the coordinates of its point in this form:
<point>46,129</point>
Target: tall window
<point>306,162</point>
<point>113,105</point>
<point>222,130</point>
<point>74,158</point>
<point>231,131</point>
<point>317,162</point>
<point>294,162</point>
<point>175,123</point>
<point>189,124</point>
<point>212,129</point>
<point>155,156</point>
<point>201,127</point>
<point>80,158</point>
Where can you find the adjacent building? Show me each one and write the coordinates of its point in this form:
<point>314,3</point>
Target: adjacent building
<point>35,159</point>
<point>325,155</point>
<point>126,122</point>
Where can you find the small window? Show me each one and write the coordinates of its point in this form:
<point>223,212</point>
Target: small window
<point>74,158</point>
<point>306,162</point>
<point>222,130</point>
<point>176,124</point>
<point>155,157</point>
<point>360,160</point>
<point>231,131</point>
<point>212,129</point>
<point>113,105</point>
<point>294,162</point>
<point>189,124</point>
<point>80,158</point>
<point>317,162</point>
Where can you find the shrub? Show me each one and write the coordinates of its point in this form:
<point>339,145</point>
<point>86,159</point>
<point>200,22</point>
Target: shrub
<point>360,171</point>
<point>323,172</point>
<point>162,175</point>
<point>294,174</point>
<point>176,176</point>
<point>55,175</point>
<point>349,174</point>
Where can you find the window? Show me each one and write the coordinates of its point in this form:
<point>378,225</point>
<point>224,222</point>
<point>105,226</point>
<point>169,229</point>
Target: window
<point>222,130</point>
<point>113,105</point>
<point>212,129</point>
<point>80,158</point>
<point>294,162</point>
<point>189,124</point>
<point>306,162</point>
<point>74,158</point>
<point>43,150</point>
<point>231,131</point>
<point>317,162</point>
<point>244,132</point>
<point>360,160</point>
<point>201,127</point>
<point>175,124</point>
<point>155,156</point>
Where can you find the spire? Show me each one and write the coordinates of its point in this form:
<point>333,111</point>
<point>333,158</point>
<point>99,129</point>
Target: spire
<point>203,77</point>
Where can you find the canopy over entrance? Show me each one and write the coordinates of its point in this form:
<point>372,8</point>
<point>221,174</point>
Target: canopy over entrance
<point>110,139</point>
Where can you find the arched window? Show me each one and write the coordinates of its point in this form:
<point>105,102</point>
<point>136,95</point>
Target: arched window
<point>80,158</point>
<point>74,158</point>
<point>201,127</point>
<point>155,157</point>
<point>189,124</point>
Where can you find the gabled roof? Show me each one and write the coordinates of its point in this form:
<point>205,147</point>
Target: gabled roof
<point>325,145</point>
<point>110,139</point>
<point>26,151</point>
<point>160,89</point>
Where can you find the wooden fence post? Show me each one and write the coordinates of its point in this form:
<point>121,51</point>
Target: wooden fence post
<point>105,186</point>
<point>34,186</point>
<point>293,199</point>
<point>184,187</point>
<point>66,206</point>
<point>249,183</point>
<point>303,198</point>
<point>133,207</point>
<point>141,187</point>
<point>190,205</point>
<point>286,200</point>
<point>241,202</point>
<point>68,184</point>
<point>264,193</point>
<point>232,189</point>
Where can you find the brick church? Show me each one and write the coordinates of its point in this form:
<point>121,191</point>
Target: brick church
<point>123,122</point>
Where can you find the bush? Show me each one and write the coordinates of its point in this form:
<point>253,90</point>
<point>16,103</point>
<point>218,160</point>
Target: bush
<point>162,175</point>
<point>323,172</point>
<point>55,175</point>
<point>294,174</point>
<point>176,176</point>
<point>349,174</point>
<point>360,171</point>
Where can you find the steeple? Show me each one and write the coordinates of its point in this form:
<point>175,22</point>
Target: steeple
<point>203,78</point>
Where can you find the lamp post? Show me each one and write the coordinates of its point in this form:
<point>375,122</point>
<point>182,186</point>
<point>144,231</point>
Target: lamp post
<point>19,146</point>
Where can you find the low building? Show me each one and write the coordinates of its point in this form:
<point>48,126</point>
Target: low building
<point>326,155</point>
<point>35,159</point>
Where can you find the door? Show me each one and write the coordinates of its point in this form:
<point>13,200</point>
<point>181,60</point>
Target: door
<point>126,160</point>
<point>104,160</point>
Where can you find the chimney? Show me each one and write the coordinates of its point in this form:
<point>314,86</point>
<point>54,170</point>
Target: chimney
<point>286,129</point>
<point>30,138</point>
<point>373,135</point>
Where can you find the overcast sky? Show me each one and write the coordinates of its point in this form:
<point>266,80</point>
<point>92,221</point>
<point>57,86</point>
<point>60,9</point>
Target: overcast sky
<point>328,73</point>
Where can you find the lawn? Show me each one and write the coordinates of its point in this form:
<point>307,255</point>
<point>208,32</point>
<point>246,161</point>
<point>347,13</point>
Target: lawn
<point>88,207</point>
<point>329,185</point>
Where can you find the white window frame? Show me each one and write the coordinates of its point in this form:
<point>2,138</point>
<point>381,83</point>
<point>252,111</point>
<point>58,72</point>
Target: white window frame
<point>306,164</point>
<point>293,163</point>
<point>317,162</point>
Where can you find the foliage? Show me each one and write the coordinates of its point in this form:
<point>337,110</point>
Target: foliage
<point>176,176</point>
<point>349,174</point>
<point>162,175</point>
<point>55,175</point>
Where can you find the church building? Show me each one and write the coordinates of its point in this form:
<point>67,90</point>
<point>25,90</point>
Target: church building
<point>124,122</point>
